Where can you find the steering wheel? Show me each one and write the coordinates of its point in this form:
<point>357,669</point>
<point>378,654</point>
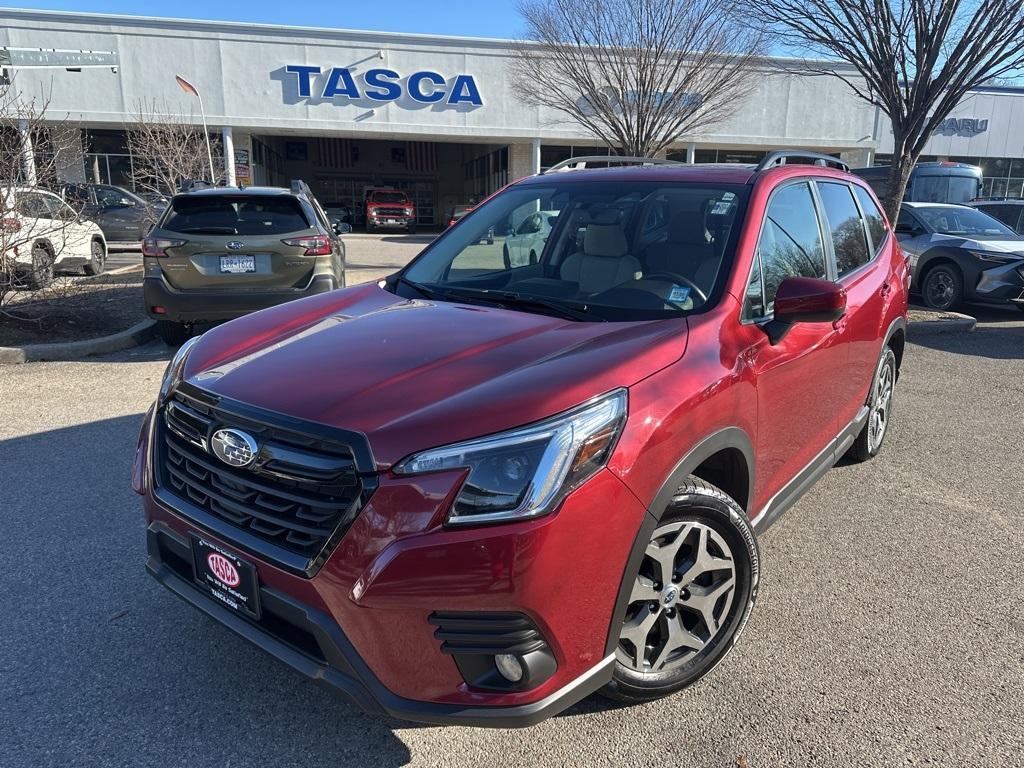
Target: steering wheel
<point>676,278</point>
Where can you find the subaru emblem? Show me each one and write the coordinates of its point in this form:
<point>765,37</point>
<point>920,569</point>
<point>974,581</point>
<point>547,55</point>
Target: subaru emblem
<point>235,245</point>
<point>234,447</point>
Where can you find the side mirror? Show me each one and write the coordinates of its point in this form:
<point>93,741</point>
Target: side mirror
<point>125,202</point>
<point>341,228</point>
<point>805,300</point>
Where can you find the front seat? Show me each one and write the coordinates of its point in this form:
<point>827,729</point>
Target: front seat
<point>686,252</point>
<point>604,261</point>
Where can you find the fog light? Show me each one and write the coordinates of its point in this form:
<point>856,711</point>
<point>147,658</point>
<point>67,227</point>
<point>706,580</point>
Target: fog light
<point>509,667</point>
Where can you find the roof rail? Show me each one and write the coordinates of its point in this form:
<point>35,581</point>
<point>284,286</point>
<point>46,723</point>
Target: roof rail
<point>782,157</point>
<point>299,187</point>
<point>580,162</point>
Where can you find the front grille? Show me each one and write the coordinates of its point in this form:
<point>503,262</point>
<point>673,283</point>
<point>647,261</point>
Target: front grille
<point>390,212</point>
<point>300,493</point>
<point>486,633</point>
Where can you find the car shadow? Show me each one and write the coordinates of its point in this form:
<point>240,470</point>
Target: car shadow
<point>102,665</point>
<point>999,335</point>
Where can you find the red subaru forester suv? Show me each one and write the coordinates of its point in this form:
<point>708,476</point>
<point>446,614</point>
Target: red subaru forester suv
<point>473,493</point>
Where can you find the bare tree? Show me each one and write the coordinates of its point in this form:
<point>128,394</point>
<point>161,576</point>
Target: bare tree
<point>167,147</point>
<point>637,74</point>
<point>35,230</point>
<point>915,59</point>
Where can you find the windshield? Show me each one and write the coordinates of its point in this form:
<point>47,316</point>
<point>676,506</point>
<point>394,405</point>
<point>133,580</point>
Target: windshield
<point>596,249</point>
<point>963,221</point>
<point>388,197</point>
<point>945,188</point>
<point>235,215</point>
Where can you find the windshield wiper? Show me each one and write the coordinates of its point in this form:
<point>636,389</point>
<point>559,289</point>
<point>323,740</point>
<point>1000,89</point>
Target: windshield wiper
<point>574,310</point>
<point>421,289</point>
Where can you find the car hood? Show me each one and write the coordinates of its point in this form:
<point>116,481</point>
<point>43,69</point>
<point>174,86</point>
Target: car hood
<point>412,374</point>
<point>1012,245</point>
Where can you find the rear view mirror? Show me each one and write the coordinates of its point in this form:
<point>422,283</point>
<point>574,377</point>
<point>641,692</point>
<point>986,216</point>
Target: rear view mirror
<point>805,300</point>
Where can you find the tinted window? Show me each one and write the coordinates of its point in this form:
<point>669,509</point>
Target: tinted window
<point>873,217</point>
<point>790,244</point>
<point>1008,214</point>
<point>848,239</point>
<point>235,215</point>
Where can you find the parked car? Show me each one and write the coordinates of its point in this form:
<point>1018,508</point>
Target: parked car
<point>41,235</point>
<point>123,216</point>
<point>389,209</point>
<point>221,252</point>
<point>526,240</point>
<point>338,212</point>
<point>938,182</point>
<point>1009,210</point>
<point>456,213</point>
<point>959,254</point>
<point>467,495</point>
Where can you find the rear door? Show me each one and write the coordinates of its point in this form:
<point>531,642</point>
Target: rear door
<point>236,242</point>
<point>796,378</point>
<point>856,237</point>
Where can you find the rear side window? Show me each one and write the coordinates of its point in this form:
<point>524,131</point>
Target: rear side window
<point>790,246</point>
<point>849,241</point>
<point>873,217</point>
<point>235,215</point>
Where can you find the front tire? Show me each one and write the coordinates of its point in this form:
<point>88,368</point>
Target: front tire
<point>691,598</point>
<point>942,288</point>
<point>97,259</point>
<point>869,442</point>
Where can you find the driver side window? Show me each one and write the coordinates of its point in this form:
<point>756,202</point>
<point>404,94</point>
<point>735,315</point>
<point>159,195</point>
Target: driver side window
<point>790,245</point>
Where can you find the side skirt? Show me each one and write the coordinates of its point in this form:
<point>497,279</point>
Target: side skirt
<point>809,475</point>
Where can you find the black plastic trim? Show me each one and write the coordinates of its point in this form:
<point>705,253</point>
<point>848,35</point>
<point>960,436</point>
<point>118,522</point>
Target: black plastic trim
<point>727,438</point>
<point>344,671</point>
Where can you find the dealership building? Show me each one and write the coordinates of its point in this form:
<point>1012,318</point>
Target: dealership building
<point>436,116</point>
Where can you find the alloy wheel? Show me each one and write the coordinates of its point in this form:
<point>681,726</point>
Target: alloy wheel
<point>940,289</point>
<point>880,406</point>
<point>680,599</point>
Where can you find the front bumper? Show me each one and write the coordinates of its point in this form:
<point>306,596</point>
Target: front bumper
<point>1002,284</point>
<point>391,222</point>
<point>361,624</point>
<point>204,306</point>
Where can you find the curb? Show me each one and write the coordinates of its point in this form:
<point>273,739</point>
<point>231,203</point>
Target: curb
<point>960,324</point>
<point>138,334</point>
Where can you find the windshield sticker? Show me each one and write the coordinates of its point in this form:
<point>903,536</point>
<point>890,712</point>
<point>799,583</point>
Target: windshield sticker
<point>721,208</point>
<point>679,294</point>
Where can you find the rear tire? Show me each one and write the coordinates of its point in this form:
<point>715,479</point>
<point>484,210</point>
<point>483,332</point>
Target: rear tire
<point>691,599</point>
<point>871,438</point>
<point>172,334</point>
<point>97,260</point>
<point>41,275</point>
<point>942,287</point>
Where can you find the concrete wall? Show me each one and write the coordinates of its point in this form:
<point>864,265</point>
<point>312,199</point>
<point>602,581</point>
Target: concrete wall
<point>240,70</point>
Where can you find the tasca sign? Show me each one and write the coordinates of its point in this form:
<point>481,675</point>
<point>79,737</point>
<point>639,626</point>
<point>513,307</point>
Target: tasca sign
<point>962,126</point>
<point>383,85</point>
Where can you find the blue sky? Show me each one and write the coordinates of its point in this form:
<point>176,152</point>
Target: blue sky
<point>490,18</point>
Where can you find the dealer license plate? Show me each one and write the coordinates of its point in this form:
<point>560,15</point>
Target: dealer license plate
<point>229,579</point>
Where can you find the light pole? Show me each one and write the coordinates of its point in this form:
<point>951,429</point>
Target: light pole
<point>187,87</point>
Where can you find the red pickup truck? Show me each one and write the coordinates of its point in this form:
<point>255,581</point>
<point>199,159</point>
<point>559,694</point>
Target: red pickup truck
<point>389,209</point>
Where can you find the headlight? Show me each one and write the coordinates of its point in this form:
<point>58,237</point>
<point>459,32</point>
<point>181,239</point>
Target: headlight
<point>173,373</point>
<point>994,258</point>
<point>526,472</point>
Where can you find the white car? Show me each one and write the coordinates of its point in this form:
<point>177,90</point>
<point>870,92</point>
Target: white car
<point>525,244</point>
<point>41,235</point>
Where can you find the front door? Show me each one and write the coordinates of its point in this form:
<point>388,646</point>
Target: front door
<point>795,379</point>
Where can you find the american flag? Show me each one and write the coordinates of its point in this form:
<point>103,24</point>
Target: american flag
<point>335,153</point>
<point>421,156</point>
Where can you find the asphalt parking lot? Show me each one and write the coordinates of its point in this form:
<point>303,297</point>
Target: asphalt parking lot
<point>889,629</point>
